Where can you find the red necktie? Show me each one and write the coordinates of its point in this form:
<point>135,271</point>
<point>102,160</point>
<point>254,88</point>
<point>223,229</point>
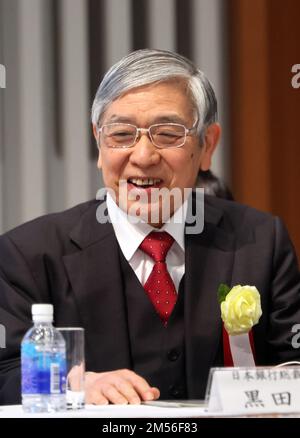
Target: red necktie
<point>159,286</point>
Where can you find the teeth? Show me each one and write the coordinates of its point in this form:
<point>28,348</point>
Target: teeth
<point>145,181</point>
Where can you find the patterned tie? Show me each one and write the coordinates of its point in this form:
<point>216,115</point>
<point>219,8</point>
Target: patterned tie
<point>159,286</point>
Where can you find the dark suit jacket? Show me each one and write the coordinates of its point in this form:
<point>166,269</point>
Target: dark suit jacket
<point>72,261</point>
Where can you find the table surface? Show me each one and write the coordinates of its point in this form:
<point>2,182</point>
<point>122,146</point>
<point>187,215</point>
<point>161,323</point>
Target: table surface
<point>132,411</point>
<point>111,411</point>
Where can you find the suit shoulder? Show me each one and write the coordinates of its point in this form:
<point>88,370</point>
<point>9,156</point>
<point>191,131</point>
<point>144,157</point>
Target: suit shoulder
<point>46,226</point>
<point>239,214</point>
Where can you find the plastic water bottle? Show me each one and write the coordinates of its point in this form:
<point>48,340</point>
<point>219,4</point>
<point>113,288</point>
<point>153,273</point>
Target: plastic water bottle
<point>43,362</point>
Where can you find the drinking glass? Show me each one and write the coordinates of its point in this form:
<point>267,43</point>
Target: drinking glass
<point>75,361</point>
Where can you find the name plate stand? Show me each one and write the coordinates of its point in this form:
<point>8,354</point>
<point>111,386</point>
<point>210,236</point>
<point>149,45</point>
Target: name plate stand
<point>254,390</point>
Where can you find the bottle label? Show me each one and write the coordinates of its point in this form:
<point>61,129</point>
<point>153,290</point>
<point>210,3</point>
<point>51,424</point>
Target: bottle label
<point>43,370</point>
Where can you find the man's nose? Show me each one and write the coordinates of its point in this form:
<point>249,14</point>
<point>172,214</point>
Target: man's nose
<point>144,153</point>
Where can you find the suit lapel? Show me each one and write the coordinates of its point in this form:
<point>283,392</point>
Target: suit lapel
<point>209,262</point>
<point>94,273</point>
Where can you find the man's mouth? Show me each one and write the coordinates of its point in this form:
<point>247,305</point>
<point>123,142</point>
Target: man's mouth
<point>145,182</point>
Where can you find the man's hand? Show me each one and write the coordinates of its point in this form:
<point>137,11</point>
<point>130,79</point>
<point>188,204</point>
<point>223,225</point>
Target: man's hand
<point>118,387</point>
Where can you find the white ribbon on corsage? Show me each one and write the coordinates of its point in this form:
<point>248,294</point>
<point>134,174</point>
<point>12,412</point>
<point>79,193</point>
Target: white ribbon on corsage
<point>241,350</point>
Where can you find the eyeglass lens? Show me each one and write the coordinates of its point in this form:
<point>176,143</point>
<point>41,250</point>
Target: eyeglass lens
<point>163,135</point>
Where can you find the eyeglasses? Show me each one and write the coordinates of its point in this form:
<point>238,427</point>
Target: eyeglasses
<point>162,135</point>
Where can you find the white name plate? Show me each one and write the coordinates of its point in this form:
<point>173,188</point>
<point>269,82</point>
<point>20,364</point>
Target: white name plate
<point>246,391</point>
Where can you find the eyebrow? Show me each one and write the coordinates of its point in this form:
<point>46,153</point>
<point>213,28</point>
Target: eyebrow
<point>172,118</point>
<point>119,119</point>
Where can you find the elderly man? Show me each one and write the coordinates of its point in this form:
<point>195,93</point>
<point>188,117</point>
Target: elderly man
<point>144,288</point>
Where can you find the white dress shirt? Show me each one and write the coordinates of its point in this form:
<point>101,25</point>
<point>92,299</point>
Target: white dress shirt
<point>131,235</point>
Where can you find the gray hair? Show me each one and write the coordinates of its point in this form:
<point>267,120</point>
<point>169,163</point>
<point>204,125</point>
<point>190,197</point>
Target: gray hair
<point>146,66</point>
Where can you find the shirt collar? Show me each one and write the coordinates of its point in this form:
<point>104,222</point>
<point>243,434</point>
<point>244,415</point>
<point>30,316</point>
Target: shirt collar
<point>130,235</point>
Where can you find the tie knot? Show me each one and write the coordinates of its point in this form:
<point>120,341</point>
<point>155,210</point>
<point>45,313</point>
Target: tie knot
<point>157,245</point>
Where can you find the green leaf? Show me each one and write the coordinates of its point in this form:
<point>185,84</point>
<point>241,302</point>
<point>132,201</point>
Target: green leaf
<point>222,292</point>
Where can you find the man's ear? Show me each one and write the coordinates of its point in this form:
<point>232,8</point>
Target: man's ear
<point>96,135</point>
<point>211,139</point>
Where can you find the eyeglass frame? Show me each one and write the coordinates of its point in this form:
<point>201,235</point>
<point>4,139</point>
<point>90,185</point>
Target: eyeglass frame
<point>187,132</point>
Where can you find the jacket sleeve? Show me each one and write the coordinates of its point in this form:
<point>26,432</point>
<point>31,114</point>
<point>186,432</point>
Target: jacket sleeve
<point>18,290</point>
<point>285,302</point>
